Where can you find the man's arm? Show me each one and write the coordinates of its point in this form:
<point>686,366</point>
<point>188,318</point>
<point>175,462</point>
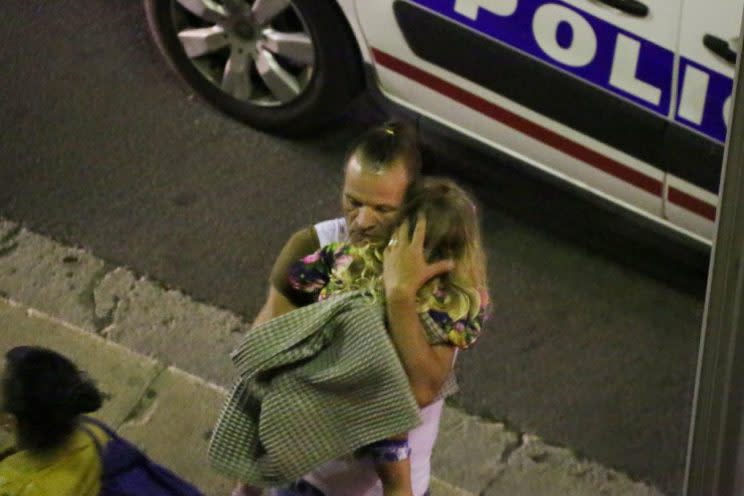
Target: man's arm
<point>405,271</point>
<point>281,298</point>
<point>426,365</point>
<point>276,304</point>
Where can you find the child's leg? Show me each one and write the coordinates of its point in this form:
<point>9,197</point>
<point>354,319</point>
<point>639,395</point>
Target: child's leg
<point>395,477</point>
<point>392,465</point>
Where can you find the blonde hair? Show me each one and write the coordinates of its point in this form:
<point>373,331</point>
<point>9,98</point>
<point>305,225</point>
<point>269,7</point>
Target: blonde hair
<point>452,232</point>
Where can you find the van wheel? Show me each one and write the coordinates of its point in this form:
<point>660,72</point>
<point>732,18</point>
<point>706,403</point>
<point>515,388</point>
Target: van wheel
<point>283,66</point>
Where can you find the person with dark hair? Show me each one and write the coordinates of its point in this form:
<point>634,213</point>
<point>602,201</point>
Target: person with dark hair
<point>43,396</point>
<point>378,171</point>
<point>381,148</point>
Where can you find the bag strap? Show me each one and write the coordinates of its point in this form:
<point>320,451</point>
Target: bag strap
<point>84,419</point>
<point>105,428</point>
<point>97,443</point>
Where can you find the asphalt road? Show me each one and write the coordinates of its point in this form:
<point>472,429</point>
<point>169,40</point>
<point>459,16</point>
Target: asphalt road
<point>594,333</point>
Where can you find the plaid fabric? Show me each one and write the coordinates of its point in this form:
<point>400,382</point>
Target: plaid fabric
<point>436,335</point>
<point>315,384</point>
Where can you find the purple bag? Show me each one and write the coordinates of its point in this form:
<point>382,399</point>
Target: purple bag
<point>129,472</point>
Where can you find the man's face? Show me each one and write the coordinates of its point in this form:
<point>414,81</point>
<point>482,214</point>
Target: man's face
<point>371,201</point>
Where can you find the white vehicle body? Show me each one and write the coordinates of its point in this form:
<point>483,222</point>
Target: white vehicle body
<point>633,109</point>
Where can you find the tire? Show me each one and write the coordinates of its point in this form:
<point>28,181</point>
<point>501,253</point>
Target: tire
<point>324,89</point>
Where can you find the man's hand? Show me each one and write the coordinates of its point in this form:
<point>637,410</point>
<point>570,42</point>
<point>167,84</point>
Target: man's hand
<point>405,269</point>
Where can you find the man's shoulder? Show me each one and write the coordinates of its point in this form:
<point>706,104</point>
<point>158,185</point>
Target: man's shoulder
<point>300,244</point>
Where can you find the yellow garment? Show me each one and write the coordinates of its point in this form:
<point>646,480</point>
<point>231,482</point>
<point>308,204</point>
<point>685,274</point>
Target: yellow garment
<point>72,470</point>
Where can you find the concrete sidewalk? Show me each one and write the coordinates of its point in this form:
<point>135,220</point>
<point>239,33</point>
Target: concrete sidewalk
<point>165,411</point>
<point>162,358</point>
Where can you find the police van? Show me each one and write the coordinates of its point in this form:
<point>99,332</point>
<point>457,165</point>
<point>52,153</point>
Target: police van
<point>627,99</point>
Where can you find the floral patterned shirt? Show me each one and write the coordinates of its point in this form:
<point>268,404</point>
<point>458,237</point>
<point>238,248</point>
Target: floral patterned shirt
<point>313,274</point>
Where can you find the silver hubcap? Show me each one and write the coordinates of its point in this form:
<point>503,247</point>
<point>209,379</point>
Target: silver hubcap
<point>260,52</point>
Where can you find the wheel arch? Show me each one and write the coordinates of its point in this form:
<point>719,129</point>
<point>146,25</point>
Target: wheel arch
<point>340,23</point>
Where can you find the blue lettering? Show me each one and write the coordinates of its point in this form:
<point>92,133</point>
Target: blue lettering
<point>654,63</point>
<point>702,96</point>
<point>624,64</point>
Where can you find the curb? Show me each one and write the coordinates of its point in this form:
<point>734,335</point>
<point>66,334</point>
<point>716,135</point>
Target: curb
<point>166,332</point>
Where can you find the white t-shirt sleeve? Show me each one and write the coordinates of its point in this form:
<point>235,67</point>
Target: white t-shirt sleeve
<point>330,231</point>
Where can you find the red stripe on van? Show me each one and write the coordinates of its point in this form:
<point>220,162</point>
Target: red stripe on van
<point>521,124</point>
<point>692,204</point>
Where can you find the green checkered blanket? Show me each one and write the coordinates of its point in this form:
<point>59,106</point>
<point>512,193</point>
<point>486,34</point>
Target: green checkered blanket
<point>314,384</point>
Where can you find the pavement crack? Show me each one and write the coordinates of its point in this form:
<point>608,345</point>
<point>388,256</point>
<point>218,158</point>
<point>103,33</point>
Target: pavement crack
<point>504,459</point>
<point>7,249</point>
<point>8,244</point>
<point>147,403</point>
<point>512,447</point>
<point>101,324</point>
<point>10,235</point>
<point>87,298</point>
<point>491,483</point>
